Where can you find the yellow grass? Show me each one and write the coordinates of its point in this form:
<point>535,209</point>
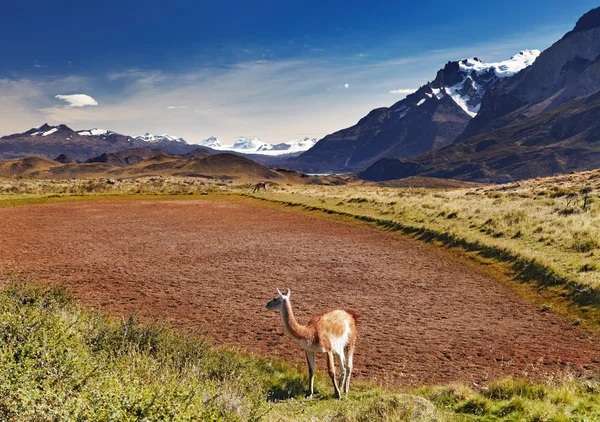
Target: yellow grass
<point>536,219</point>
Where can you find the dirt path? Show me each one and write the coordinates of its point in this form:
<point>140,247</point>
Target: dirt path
<point>215,264</point>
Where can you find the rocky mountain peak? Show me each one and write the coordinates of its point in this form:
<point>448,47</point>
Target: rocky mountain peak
<point>588,21</point>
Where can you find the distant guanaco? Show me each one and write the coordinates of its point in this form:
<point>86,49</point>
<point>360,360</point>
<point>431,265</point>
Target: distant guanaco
<point>333,333</point>
<point>259,186</point>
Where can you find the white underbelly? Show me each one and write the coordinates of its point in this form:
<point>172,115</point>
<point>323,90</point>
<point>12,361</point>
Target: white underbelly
<point>338,344</point>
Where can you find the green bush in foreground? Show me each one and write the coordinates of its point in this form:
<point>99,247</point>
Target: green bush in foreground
<point>59,362</point>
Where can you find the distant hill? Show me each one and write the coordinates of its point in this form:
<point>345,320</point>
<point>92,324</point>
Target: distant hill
<point>26,166</point>
<point>131,164</point>
<point>198,153</point>
<point>64,159</point>
<point>127,157</point>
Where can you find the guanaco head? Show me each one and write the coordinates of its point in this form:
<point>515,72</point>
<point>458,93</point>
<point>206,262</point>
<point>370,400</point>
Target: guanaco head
<point>276,304</point>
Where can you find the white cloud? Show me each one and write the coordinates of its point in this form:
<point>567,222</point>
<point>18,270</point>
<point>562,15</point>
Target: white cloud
<point>78,100</point>
<point>346,86</point>
<point>174,107</point>
<point>277,100</point>
<point>402,91</point>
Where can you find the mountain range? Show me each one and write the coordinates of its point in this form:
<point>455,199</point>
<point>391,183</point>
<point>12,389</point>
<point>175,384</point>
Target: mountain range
<point>536,114</point>
<point>544,120</point>
<point>52,141</point>
<point>430,118</point>
<point>256,146</point>
<point>144,162</point>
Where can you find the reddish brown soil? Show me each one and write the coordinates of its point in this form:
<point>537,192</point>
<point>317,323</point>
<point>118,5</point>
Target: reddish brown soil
<point>214,264</point>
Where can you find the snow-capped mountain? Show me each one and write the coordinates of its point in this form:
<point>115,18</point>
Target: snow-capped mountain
<point>44,130</point>
<point>542,121</point>
<point>247,144</point>
<point>211,142</point>
<point>102,134</point>
<point>299,145</point>
<point>93,132</point>
<point>256,146</point>
<point>148,137</point>
<point>432,117</point>
<point>475,77</point>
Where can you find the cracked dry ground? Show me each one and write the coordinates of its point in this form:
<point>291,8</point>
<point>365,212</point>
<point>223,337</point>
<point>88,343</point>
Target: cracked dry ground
<point>212,264</point>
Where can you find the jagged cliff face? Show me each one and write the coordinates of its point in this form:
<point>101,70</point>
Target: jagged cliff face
<point>569,69</point>
<point>543,121</point>
<point>432,117</point>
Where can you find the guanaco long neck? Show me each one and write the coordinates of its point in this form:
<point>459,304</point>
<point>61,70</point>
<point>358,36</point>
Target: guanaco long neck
<point>296,330</point>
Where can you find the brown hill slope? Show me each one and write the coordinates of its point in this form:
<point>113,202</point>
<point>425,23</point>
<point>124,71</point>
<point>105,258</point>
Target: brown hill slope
<point>219,167</point>
<point>26,166</point>
<point>127,157</point>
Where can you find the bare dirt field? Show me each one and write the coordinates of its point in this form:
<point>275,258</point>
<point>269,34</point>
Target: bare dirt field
<point>212,265</point>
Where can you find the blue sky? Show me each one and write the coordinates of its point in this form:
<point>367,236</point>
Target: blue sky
<point>272,69</point>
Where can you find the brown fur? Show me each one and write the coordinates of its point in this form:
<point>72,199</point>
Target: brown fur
<point>316,336</point>
<point>259,186</point>
<point>331,323</point>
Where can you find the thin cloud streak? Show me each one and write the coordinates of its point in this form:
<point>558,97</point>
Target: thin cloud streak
<point>275,99</point>
<point>402,91</point>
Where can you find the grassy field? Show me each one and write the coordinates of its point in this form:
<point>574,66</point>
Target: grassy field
<point>62,362</point>
<point>548,229</point>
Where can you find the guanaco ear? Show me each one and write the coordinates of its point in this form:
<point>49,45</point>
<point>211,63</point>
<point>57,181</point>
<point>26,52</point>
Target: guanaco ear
<point>279,292</point>
<point>287,294</point>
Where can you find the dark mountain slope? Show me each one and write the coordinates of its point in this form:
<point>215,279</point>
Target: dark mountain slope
<point>567,70</point>
<point>543,121</point>
<point>557,141</point>
<point>52,141</point>
<point>433,117</point>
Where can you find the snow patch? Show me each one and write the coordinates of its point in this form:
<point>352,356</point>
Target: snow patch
<point>211,142</point>
<point>478,76</point>
<point>421,102</point>
<point>439,94</point>
<point>255,146</point>
<point>148,137</point>
<point>50,132</point>
<point>462,100</point>
<point>502,69</point>
<point>93,132</point>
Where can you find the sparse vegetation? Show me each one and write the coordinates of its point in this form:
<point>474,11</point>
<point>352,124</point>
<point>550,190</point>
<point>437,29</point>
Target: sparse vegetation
<point>62,362</point>
<point>548,229</point>
<point>551,225</point>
